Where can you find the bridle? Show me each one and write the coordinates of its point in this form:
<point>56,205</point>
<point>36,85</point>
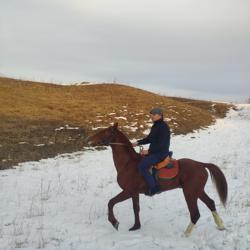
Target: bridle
<point>124,144</point>
<point>118,143</point>
<point>108,141</point>
<point>113,134</point>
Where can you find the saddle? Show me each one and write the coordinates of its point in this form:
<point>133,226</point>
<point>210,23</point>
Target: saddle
<point>166,169</point>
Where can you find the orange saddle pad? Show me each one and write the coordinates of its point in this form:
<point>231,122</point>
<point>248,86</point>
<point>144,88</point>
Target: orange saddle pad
<point>163,163</point>
<point>168,172</point>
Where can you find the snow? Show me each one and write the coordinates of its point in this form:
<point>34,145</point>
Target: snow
<point>85,83</point>
<point>121,117</point>
<point>134,123</point>
<point>133,129</point>
<point>66,127</point>
<point>96,128</point>
<point>58,129</point>
<point>146,132</point>
<point>61,203</point>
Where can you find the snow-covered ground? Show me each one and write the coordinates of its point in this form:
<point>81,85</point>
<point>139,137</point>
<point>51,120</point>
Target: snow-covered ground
<point>61,203</point>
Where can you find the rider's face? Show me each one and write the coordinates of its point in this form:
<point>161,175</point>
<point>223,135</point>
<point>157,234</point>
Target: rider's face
<point>155,117</point>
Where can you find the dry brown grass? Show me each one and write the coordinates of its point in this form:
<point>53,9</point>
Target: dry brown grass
<point>218,109</point>
<point>30,112</point>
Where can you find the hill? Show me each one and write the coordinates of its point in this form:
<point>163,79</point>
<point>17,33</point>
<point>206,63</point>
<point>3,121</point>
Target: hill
<point>39,120</point>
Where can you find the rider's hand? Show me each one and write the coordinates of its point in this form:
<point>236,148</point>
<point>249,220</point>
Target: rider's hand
<point>144,152</point>
<point>134,144</point>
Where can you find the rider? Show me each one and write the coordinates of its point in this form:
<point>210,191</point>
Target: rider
<point>159,140</point>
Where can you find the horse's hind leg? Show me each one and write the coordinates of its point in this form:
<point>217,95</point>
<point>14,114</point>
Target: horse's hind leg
<point>208,201</point>
<point>136,207</point>
<point>211,205</point>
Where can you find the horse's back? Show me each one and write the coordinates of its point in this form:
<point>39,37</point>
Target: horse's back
<point>191,169</point>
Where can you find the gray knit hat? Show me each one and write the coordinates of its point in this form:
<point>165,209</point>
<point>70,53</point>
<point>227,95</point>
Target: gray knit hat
<point>155,111</point>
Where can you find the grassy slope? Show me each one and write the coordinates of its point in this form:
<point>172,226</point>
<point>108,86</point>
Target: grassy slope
<point>31,111</point>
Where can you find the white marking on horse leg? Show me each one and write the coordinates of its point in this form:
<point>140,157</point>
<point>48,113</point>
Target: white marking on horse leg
<point>189,229</point>
<point>218,220</point>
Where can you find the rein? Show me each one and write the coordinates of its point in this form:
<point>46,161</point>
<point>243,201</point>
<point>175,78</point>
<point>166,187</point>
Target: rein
<point>108,142</point>
<point>124,144</point>
<point>118,143</point>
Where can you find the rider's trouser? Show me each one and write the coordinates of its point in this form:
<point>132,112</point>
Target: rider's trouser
<point>145,164</point>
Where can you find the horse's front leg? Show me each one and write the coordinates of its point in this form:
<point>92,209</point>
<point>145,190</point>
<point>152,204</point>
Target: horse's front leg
<point>136,207</point>
<point>118,198</point>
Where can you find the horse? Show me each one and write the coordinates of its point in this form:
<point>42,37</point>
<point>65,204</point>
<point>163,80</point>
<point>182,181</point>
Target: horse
<point>192,178</point>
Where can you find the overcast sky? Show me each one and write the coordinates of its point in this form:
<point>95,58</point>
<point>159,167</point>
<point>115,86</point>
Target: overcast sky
<point>192,48</point>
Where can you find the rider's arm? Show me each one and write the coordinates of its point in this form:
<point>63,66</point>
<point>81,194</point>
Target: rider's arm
<point>143,141</point>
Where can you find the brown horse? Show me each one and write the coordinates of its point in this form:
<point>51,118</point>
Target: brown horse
<point>192,178</point>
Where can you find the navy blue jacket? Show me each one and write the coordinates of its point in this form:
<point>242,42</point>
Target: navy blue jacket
<point>159,138</point>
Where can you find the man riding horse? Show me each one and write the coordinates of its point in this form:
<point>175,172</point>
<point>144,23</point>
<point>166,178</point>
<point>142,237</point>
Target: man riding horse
<point>192,176</point>
<point>159,140</point>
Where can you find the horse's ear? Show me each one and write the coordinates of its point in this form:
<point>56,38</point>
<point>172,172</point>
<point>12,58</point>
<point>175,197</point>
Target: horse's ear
<point>115,126</point>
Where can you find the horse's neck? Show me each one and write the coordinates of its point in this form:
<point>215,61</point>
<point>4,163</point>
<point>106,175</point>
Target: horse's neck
<point>123,146</point>
<point>123,154</point>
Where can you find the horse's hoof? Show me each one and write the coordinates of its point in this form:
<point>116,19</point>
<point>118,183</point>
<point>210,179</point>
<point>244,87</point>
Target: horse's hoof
<point>116,225</point>
<point>186,235</point>
<point>221,228</point>
<point>135,227</point>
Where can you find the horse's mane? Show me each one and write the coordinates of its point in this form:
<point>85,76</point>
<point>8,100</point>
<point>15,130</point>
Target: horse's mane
<point>124,139</point>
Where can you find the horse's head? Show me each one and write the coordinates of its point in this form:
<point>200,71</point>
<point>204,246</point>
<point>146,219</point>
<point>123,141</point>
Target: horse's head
<point>103,137</point>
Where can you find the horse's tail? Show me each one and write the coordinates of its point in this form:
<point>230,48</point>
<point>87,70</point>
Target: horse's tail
<point>220,181</point>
